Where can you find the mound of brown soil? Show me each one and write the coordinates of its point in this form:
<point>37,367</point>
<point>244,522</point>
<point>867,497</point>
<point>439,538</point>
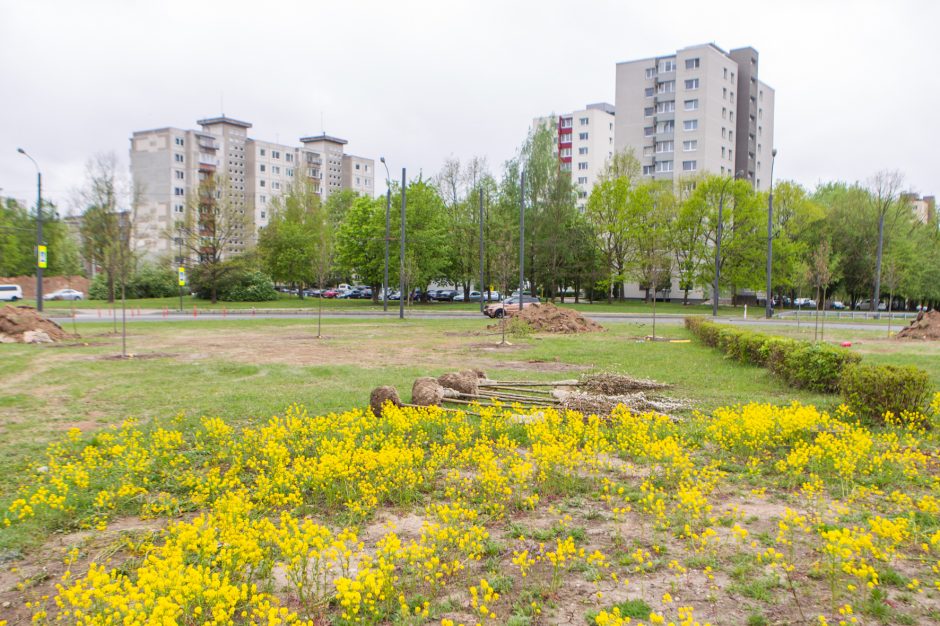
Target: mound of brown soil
<point>24,323</point>
<point>547,318</point>
<point>926,326</point>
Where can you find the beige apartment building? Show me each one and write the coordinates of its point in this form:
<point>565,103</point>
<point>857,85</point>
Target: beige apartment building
<point>168,164</point>
<point>699,109</point>
<point>924,208</point>
<point>584,142</point>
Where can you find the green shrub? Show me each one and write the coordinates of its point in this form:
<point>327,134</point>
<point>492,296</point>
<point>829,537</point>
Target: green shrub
<point>251,287</point>
<point>774,352</point>
<point>816,366</point>
<point>152,281</point>
<point>873,390</point>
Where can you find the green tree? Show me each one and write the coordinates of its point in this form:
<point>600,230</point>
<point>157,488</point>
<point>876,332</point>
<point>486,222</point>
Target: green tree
<point>360,242</point>
<point>287,245</point>
<point>606,210</point>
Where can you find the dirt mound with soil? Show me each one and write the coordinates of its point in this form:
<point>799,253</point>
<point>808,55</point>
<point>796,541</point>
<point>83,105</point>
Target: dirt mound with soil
<point>24,324</point>
<point>548,318</point>
<point>926,326</point>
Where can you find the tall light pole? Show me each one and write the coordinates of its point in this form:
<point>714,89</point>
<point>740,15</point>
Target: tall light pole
<point>721,206</point>
<point>521,237</point>
<point>388,210</point>
<point>481,249</point>
<point>40,251</point>
<point>769,311</point>
<point>401,271</point>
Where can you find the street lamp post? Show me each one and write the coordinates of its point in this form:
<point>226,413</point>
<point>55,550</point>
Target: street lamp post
<point>40,256</point>
<point>388,209</point>
<point>769,311</point>
<point>721,206</point>
<point>521,238</point>
<point>401,272</point>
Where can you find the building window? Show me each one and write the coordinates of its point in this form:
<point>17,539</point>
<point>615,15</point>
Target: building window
<point>583,150</point>
<point>648,112</point>
<point>583,136</point>
<point>666,127</point>
<point>667,87</point>
<point>732,77</point>
<point>664,146</point>
<point>289,157</point>
<point>724,132</point>
<point>566,167</point>
<point>650,72</point>
<point>582,165</point>
<point>690,125</point>
<point>358,182</point>
<point>582,180</point>
<point>691,83</point>
<point>179,141</point>
<point>262,183</point>
<point>690,145</point>
<point>178,191</point>
<point>583,121</point>
<point>263,215</point>
<point>691,105</point>
<point>178,208</point>
<point>261,152</point>
<point>275,154</point>
<point>730,154</point>
<point>722,152</point>
<point>290,171</point>
<point>262,167</point>
<point>275,169</point>
<point>732,97</point>
<point>647,170</point>
<point>649,130</point>
<point>180,175</point>
<point>647,151</point>
<point>264,199</point>
<point>666,107</point>
<point>565,152</point>
<point>565,122</point>
<point>691,64</point>
<point>667,65</point>
<point>648,92</point>
<point>688,166</point>
<point>664,166</point>
<point>178,157</point>
<point>275,185</point>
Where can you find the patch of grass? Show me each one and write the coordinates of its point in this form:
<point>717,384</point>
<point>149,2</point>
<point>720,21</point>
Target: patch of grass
<point>757,588</point>
<point>756,618</point>
<point>634,609</point>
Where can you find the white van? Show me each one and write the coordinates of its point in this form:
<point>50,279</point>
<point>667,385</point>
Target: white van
<point>11,293</point>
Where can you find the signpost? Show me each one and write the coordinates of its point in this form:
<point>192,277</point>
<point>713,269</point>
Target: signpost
<point>42,260</point>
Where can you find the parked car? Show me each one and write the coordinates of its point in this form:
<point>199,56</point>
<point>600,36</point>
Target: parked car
<point>445,295</point>
<point>475,296</point>
<point>805,303</point>
<point>11,293</point>
<point>491,296</point>
<point>330,293</point>
<point>837,305</point>
<point>509,306</point>
<point>64,294</point>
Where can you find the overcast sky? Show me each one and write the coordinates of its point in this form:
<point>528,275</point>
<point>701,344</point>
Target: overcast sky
<point>417,82</point>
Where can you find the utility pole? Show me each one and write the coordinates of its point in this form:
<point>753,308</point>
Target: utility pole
<point>40,248</point>
<point>401,273</point>
<point>521,237</point>
<point>181,266</point>
<point>769,311</point>
<point>481,249</point>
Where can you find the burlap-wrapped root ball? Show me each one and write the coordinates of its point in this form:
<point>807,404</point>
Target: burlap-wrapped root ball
<point>381,395</point>
<point>426,392</point>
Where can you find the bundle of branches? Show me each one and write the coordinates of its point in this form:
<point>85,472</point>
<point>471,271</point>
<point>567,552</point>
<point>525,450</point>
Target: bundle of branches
<point>614,384</point>
<point>589,403</point>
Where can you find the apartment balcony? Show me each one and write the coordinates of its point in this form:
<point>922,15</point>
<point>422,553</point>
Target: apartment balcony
<point>207,143</point>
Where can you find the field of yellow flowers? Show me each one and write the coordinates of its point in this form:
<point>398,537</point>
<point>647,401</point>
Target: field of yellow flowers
<point>754,514</point>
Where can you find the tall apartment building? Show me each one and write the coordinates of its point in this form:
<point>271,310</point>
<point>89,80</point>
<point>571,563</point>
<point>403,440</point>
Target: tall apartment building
<point>584,142</point>
<point>699,109</point>
<point>924,208</point>
<point>168,164</point>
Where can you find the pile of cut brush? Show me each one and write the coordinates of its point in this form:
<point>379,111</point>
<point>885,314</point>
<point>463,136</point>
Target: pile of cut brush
<point>591,394</point>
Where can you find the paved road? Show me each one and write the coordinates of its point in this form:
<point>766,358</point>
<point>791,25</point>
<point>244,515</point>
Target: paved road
<point>87,316</point>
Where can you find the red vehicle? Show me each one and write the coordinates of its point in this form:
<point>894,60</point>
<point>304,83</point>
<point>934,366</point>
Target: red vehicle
<point>331,293</point>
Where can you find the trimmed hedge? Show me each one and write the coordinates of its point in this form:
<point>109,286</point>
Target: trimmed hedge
<point>801,364</point>
<point>873,390</point>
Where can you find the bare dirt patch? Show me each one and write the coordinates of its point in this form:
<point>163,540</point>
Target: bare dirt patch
<point>925,327</point>
<point>548,318</point>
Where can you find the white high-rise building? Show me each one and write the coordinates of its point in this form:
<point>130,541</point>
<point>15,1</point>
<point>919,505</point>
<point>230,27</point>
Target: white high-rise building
<point>168,164</point>
<point>699,109</point>
<point>584,142</point>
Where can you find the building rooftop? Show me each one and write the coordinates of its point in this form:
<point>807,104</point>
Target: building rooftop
<point>223,120</point>
<point>606,107</point>
<point>323,137</point>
